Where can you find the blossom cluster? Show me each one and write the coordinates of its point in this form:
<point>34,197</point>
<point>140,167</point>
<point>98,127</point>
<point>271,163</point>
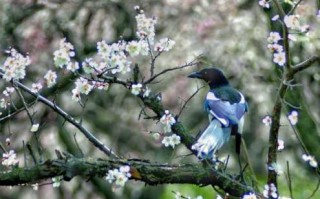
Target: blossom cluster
<point>113,57</point>
<point>270,191</point>
<point>9,158</point>
<point>172,140</point>
<point>168,120</point>
<point>118,176</point>
<point>178,195</point>
<point>56,181</point>
<point>311,160</point>
<point>292,22</point>
<point>136,89</point>
<point>145,27</point>
<point>249,196</point>
<point>85,86</point>
<point>15,65</point>
<point>5,101</point>
<point>279,56</point>
<point>164,44</point>
<point>62,56</point>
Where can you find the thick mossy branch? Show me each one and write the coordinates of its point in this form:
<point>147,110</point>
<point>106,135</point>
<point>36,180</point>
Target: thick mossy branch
<point>150,173</point>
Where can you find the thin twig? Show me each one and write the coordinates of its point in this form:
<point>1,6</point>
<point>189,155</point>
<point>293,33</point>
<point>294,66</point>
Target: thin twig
<point>192,63</point>
<point>76,141</point>
<point>25,105</point>
<point>279,8</point>
<point>36,135</point>
<point>291,105</point>
<point>24,154</point>
<point>153,64</point>
<point>315,190</point>
<point>31,153</point>
<point>3,149</point>
<point>294,7</point>
<point>289,180</point>
<point>16,112</point>
<point>186,102</point>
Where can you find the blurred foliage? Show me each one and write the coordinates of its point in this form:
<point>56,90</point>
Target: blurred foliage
<point>229,34</point>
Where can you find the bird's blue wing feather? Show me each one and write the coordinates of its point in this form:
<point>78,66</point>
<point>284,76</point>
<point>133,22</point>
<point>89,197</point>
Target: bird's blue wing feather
<point>224,111</point>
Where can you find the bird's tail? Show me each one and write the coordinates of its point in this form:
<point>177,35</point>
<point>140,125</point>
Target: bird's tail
<point>211,140</point>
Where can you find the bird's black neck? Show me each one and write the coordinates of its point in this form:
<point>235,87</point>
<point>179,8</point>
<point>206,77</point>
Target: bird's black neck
<point>221,82</point>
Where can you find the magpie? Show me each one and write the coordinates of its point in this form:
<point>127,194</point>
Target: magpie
<point>226,108</point>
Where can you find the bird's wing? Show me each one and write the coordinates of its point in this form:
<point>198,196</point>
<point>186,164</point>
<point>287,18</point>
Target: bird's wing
<point>224,111</point>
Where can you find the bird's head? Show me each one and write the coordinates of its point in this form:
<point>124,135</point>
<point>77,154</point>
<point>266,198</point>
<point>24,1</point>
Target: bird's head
<point>213,76</point>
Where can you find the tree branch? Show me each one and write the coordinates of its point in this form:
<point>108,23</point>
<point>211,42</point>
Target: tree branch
<point>150,173</point>
<point>67,117</point>
<point>305,64</point>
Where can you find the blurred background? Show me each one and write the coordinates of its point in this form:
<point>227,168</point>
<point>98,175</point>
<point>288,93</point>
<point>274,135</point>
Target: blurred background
<point>229,34</point>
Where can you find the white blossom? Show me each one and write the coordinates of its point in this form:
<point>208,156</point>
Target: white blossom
<point>9,158</point>
<point>8,91</point>
<point>34,127</point>
<point>119,176</point>
<point>267,120</point>
<point>83,86</point>
<point>14,66</point>
<point>50,78</point>
<point>146,92</point>
<point>145,27</point>
<point>270,191</point>
<point>293,117</point>
<point>279,58</point>
<point>312,161</point>
<point>292,21</point>
<point>249,196</point>
<point>280,145</point>
<point>56,181</point>
<point>62,57</point>
<point>164,44</point>
<point>275,47</point>
<point>133,48</point>
<point>167,120</point>
<point>275,17</point>
<point>35,186</point>
<point>114,57</point>
<point>73,66</point>
<point>274,37</point>
<point>36,87</point>
<point>264,3</point>
<point>136,88</point>
<point>172,140</point>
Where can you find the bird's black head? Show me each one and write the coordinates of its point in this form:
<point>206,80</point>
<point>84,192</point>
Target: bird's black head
<point>213,76</point>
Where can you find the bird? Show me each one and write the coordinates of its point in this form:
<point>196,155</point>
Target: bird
<point>226,108</point>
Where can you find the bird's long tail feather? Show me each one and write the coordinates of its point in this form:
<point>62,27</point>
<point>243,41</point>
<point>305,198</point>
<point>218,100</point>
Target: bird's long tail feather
<point>211,140</point>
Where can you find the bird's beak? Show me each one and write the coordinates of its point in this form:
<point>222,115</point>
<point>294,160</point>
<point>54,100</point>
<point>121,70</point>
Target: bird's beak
<point>195,75</point>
